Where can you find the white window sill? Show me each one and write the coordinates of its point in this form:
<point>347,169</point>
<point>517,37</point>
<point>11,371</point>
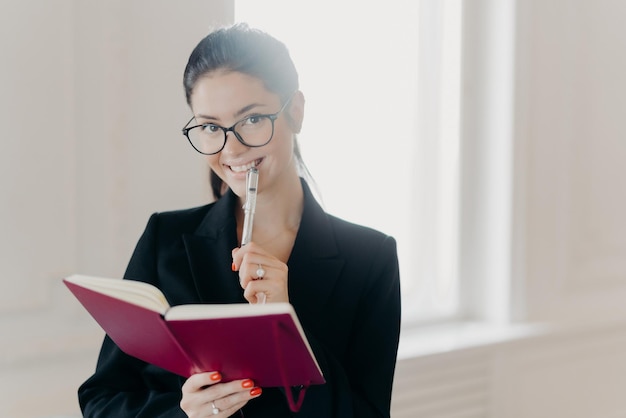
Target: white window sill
<point>422,341</point>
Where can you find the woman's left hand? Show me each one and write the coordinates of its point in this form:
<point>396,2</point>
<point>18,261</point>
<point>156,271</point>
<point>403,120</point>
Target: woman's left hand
<point>260,272</point>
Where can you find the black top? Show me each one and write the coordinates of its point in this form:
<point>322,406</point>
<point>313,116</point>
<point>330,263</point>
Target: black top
<point>344,286</point>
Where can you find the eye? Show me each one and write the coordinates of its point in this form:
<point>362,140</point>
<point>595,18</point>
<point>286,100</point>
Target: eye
<point>253,120</point>
<point>209,128</point>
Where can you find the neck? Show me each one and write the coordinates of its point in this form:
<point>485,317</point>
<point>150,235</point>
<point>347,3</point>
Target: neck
<point>278,211</point>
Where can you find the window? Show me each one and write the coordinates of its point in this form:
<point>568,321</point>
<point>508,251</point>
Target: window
<point>381,129</point>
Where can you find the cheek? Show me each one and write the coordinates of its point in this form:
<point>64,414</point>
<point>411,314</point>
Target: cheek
<point>287,148</point>
<point>282,144</point>
<point>214,164</point>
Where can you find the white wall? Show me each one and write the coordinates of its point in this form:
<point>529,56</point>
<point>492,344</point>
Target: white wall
<point>567,226</point>
<point>571,149</point>
<point>91,107</point>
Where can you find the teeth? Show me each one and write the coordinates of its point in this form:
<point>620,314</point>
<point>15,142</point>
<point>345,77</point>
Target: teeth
<point>240,168</point>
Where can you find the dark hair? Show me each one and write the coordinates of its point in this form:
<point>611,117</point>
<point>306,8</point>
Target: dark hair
<point>240,48</point>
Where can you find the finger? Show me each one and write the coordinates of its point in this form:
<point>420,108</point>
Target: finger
<point>200,381</point>
<point>231,403</point>
<point>238,254</point>
<point>224,412</point>
<point>276,274</point>
<point>255,266</point>
<point>242,392</point>
<point>274,291</point>
<point>234,265</point>
<point>253,271</point>
<point>251,293</point>
<point>194,391</point>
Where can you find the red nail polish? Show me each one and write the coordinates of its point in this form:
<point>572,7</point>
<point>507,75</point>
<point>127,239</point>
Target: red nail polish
<point>215,376</point>
<point>233,267</point>
<point>256,391</point>
<point>248,383</point>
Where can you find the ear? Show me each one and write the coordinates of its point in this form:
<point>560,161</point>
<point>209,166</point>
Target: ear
<point>296,111</point>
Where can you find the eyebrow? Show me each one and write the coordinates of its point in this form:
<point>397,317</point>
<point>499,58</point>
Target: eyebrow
<point>239,113</point>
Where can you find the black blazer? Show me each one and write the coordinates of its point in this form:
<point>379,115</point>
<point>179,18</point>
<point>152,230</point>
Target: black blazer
<point>343,283</point>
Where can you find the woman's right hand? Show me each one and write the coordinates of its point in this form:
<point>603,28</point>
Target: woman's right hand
<point>205,396</point>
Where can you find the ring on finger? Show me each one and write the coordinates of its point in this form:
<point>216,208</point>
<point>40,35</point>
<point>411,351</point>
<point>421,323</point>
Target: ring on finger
<point>260,272</point>
<point>215,408</point>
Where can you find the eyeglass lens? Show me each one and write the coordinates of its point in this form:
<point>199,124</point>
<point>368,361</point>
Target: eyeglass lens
<point>253,131</point>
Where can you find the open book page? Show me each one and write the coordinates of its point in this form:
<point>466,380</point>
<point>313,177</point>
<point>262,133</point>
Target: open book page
<point>231,310</point>
<point>137,293</point>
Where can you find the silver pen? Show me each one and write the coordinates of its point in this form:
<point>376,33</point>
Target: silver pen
<point>252,184</point>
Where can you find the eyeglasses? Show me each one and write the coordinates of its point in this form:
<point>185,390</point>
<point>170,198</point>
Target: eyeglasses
<point>252,131</point>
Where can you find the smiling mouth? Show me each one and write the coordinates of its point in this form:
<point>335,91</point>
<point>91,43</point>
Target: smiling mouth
<point>246,167</point>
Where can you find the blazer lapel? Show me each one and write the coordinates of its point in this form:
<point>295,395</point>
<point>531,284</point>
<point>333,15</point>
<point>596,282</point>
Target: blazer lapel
<point>209,254</point>
<point>314,264</point>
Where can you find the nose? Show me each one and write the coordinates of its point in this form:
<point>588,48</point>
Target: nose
<point>233,146</point>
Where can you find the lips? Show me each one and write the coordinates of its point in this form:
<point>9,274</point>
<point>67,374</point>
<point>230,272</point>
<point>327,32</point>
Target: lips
<point>245,167</point>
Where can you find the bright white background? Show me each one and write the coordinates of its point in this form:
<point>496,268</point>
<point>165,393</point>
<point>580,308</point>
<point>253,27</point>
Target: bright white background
<point>379,159</point>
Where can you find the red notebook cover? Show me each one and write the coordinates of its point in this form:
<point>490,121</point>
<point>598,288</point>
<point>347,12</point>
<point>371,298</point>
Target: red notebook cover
<point>268,349</point>
<point>138,331</point>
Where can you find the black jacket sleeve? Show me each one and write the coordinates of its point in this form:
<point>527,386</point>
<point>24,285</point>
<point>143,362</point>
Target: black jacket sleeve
<point>123,386</point>
<point>359,378</point>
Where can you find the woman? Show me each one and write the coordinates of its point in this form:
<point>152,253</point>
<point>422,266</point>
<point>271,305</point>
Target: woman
<point>342,279</point>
